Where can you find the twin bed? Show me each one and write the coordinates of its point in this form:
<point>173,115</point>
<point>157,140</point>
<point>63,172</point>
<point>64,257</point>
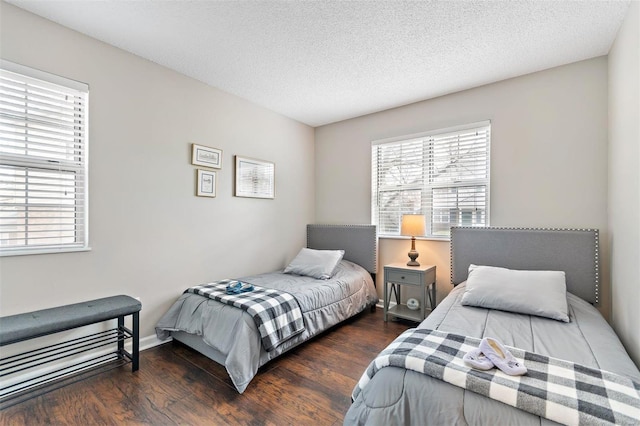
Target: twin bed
<point>402,396</point>
<point>520,317</point>
<point>230,336</point>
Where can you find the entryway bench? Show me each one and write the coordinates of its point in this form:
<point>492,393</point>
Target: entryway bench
<point>18,328</point>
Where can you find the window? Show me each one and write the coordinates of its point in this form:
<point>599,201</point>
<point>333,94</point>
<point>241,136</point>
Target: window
<point>43,162</point>
<point>443,175</point>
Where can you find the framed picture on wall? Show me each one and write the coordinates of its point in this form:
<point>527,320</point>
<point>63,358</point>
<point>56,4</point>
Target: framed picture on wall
<point>254,178</point>
<point>206,156</point>
<point>206,183</point>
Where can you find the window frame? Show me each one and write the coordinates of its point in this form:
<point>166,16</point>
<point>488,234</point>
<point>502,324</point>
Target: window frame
<point>426,185</point>
<point>53,164</point>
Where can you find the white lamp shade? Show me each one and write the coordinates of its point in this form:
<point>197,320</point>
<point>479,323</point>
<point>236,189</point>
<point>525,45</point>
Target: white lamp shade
<point>413,225</point>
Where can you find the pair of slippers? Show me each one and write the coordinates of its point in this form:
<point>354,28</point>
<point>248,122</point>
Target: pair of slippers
<point>492,353</point>
<point>238,288</point>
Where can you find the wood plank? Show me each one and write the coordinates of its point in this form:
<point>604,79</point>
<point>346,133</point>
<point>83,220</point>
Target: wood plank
<point>292,397</point>
<point>33,411</point>
<point>129,398</point>
<point>73,405</point>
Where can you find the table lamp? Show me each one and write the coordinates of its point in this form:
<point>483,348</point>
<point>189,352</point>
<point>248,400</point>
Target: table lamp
<point>413,226</point>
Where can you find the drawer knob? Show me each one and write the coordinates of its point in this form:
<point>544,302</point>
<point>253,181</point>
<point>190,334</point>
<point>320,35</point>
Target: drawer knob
<point>402,278</point>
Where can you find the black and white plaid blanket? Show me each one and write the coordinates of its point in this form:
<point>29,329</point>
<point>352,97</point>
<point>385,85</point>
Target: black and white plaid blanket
<point>558,390</point>
<point>276,313</point>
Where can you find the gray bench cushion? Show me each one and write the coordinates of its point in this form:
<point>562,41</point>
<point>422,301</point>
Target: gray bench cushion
<point>16,328</point>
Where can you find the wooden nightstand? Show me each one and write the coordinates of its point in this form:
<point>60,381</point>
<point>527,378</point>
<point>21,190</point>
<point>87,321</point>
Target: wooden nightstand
<point>398,274</point>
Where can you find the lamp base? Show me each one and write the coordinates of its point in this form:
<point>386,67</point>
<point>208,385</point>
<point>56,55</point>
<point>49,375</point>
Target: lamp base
<point>413,255</point>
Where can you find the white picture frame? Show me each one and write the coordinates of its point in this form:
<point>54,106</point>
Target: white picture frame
<point>206,183</point>
<point>254,178</point>
<point>206,156</point>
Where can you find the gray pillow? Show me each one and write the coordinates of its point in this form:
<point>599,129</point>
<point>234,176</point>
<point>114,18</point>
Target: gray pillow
<point>320,264</point>
<point>540,293</point>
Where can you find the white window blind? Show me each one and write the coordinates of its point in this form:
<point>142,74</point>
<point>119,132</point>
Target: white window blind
<point>43,162</point>
<point>443,175</point>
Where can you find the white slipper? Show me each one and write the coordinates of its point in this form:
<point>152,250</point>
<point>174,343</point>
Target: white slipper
<point>476,359</point>
<point>501,357</point>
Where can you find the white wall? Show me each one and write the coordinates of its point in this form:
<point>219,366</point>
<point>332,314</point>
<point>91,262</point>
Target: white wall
<point>624,181</point>
<point>150,235</point>
<point>548,157</point>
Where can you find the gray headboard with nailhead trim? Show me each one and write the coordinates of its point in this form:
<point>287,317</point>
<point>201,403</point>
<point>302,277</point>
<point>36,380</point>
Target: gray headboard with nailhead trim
<point>359,242</point>
<point>574,251</point>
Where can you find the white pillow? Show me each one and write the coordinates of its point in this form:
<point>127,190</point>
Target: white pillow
<point>320,264</point>
<point>540,293</point>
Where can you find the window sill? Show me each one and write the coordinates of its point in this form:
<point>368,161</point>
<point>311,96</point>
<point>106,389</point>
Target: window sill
<point>43,251</point>
<point>399,237</point>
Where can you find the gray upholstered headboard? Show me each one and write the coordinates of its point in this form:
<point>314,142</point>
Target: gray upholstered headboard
<point>359,242</point>
<point>574,251</point>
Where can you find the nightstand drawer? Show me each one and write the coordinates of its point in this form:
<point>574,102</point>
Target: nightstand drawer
<point>405,277</point>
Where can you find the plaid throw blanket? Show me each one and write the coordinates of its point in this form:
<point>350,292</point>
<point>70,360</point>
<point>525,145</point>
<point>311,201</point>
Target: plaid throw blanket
<point>558,390</point>
<point>276,313</point>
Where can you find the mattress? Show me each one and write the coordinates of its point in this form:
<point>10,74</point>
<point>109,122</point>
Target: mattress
<point>399,396</point>
<point>231,335</point>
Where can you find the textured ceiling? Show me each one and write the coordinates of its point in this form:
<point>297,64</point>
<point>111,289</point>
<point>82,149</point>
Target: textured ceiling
<point>325,61</point>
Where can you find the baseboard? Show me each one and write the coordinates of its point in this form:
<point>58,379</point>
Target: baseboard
<point>149,342</point>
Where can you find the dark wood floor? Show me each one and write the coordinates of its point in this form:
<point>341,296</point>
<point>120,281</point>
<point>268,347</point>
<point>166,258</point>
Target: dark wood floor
<point>175,385</point>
